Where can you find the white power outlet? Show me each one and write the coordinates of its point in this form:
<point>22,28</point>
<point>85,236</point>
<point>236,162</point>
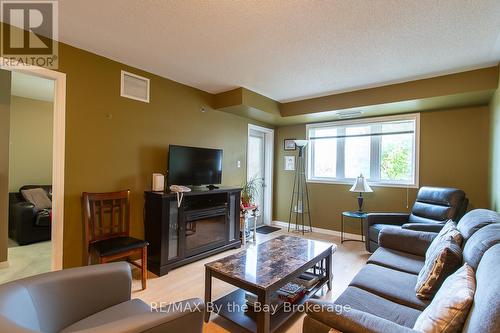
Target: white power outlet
<point>238,164</point>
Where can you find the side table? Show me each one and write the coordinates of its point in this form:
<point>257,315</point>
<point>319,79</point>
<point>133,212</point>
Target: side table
<point>248,212</point>
<point>353,215</point>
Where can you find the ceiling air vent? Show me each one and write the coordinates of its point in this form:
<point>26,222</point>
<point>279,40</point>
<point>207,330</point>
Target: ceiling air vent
<point>349,114</point>
<point>134,87</point>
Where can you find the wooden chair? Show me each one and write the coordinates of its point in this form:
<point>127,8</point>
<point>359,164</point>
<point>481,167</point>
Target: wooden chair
<point>106,218</point>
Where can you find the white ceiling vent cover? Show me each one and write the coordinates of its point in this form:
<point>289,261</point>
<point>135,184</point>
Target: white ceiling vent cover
<point>134,87</point>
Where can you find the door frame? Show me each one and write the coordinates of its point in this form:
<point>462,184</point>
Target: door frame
<point>58,150</point>
<point>269,162</point>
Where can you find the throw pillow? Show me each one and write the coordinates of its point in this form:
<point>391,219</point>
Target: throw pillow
<point>446,257</point>
<point>449,308</point>
<point>448,230</point>
<point>38,197</point>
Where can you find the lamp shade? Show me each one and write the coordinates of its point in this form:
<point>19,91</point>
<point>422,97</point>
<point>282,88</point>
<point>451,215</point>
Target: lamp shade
<point>361,185</point>
<point>300,143</point>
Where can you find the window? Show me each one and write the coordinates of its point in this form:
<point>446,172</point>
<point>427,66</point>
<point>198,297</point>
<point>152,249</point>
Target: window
<point>383,149</point>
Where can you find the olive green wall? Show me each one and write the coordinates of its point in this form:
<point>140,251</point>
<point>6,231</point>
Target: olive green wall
<point>495,151</point>
<point>115,143</point>
<point>4,160</point>
<point>454,148</point>
<point>30,153</point>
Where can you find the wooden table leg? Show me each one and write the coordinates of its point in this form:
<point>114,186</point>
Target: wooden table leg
<point>208,292</point>
<point>263,317</point>
<point>329,272</point>
<point>244,234</point>
<point>255,226</point>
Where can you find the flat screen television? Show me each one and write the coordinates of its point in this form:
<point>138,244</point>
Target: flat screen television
<point>194,166</point>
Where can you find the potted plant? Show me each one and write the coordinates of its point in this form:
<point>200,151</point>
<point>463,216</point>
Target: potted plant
<point>249,191</point>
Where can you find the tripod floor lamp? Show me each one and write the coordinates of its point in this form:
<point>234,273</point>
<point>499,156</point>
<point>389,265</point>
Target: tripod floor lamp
<point>300,215</point>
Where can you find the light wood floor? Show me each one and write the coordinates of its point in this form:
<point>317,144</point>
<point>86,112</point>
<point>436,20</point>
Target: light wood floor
<point>188,281</point>
<point>26,260</point>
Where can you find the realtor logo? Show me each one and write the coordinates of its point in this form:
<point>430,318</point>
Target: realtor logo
<point>29,33</point>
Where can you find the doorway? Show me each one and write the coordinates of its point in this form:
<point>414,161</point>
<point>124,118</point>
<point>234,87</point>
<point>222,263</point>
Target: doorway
<point>260,166</point>
<point>58,156</point>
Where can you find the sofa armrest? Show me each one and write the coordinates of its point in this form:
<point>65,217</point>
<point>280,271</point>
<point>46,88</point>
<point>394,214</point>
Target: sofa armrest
<point>404,240</point>
<point>24,213</point>
<point>428,227</point>
<point>387,218</point>
<point>72,294</point>
<point>184,316</point>
<point>350,320</point>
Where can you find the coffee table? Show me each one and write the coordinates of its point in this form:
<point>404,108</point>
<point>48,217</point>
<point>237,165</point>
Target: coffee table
<point>262,270</point>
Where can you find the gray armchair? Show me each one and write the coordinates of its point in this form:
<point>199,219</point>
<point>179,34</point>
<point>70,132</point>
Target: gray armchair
<point>433,207</point>
<point>89,299</point>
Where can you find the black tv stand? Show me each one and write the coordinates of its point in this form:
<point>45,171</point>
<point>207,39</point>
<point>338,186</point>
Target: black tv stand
<point>206,223</point>
<point>212,187</point>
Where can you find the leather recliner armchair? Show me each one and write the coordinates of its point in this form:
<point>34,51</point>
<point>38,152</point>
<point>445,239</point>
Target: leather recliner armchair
<point>26,226</point>
<point>433,207</point>
<point>88,299</point>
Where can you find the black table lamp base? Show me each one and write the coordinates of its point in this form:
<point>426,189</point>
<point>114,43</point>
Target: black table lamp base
<point>360,202</point>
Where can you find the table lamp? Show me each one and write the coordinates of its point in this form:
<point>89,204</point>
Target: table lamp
<point>361,186</point>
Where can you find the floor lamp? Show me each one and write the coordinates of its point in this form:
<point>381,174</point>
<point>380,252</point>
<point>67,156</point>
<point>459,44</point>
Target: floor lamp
<point>299,207</point>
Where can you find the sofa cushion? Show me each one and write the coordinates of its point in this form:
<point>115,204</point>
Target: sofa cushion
<point>38,197</point>
<point>397,260</point>
<point>391,284</point>
<point>445,259</point>
<point>449,230</point>
<point>479,243</point>
<point>475,220</point>
<point>450,306</point>
<point>365,301</point>
<point>374,230</point>
<point>112,314</point>
<point>484,315</point>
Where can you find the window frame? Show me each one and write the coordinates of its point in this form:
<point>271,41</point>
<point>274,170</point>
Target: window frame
<point>341,156</point>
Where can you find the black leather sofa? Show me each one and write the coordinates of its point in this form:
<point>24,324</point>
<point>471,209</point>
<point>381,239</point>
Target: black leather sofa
<point>433,207</point>
<point>381,298</point>
<point>26,224</point>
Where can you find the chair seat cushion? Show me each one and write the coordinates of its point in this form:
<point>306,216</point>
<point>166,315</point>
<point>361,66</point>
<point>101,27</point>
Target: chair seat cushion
<point>397,260</point>
<point>374,230</point>
<point>391,284</point>
<point>365,301</point>
<point>115,313</point>
<point>117,245</point>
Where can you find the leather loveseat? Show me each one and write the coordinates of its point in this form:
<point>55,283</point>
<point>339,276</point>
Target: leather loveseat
<point>26,224</point>
<point>432,208</point>
<point>88,299</point>
<point>381,297</point>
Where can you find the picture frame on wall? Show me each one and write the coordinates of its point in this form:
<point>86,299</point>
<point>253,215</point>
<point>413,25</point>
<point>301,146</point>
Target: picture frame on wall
<point>289,163</point>
<point>289,144</point>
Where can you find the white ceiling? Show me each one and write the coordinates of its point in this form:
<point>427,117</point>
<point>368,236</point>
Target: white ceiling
<point>30,86</point>
<point>288,49</point>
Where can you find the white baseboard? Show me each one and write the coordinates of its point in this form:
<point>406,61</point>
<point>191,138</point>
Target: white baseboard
<point>323,231</point>
<point>4,264</point>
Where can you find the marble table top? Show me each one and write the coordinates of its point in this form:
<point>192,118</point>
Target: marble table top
<point>264,264</point>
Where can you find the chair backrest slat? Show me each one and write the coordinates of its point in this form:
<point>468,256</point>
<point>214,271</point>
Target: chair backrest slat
<point>99,216</point>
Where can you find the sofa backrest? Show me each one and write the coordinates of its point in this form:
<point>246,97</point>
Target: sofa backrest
<point>17,308</point>
<point>475,220</point>
<point>438,204</point>
<point>484,315</point>
<point>480,242</point>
